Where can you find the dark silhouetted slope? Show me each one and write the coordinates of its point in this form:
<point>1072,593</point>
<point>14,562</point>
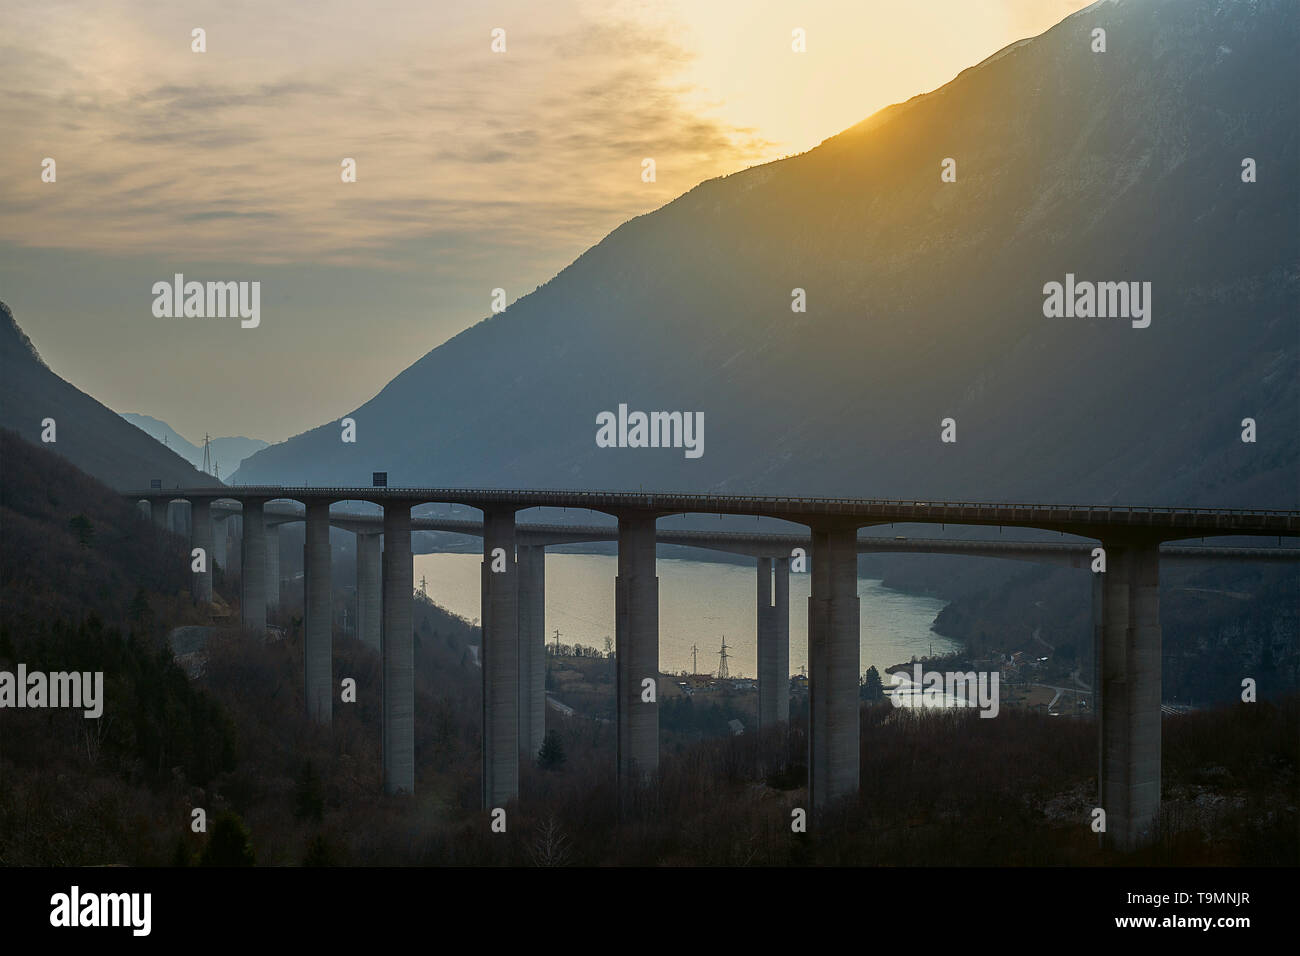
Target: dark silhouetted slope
<point>54,569</point>
<point>94,438</point>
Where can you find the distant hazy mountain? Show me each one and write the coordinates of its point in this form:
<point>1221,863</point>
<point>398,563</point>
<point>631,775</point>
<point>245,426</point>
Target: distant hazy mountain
<point>91,436</point>
<point>225,453</point>
<point>925,299</point>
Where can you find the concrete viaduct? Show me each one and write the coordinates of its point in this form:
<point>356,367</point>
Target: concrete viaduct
<point>1127,637</point>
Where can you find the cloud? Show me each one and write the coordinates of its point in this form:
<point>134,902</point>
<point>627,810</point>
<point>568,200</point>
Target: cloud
<point>163,151</point>
<point>225,214</point>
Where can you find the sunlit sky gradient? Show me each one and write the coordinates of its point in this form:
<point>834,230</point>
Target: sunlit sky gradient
<point>475,170</point>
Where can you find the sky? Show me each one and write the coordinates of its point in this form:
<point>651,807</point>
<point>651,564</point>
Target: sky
<point>475,169</point>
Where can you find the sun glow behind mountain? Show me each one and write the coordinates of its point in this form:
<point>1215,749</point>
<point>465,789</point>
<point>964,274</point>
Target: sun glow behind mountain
<point>475,170</point>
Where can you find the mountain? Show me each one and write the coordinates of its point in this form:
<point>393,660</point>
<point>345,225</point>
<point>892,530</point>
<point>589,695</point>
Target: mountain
<point>925,300</point>
<point>71,546</point>
<point>86,433</point>
<point>225,453</point>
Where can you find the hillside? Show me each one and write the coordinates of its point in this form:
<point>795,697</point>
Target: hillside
<point>87,584</point>
<point>89,435</point>
<point>51,569</point>
<point>924,300</point>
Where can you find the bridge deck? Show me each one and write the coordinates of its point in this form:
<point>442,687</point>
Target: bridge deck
<point>1142,521</point>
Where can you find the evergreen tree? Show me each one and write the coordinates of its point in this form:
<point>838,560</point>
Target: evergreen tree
<point>229,843</point>
<point>140,610</point>
<point>83,528</point>
<point>308,798</point>
<point>871,687</point>
<point>319,852</point>
<point>551,756</point>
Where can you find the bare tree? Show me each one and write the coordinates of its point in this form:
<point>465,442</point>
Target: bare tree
<point>91,735</point>
<point>551,846</point>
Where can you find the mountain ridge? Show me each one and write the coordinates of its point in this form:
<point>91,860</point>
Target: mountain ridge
<point>924,301</point>
<point>87,433</point>
<point>225,453</point>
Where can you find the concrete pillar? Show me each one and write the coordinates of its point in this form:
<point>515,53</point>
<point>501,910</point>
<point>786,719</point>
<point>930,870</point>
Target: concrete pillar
<point>220,529</point>
<point>398,649</point>
<point>833,657</point>
<point>766,632</point>
<point>368,589</point>
<point>532,648</point>
<point>781,624</point>
<point>500,654</point>
<point>1129,695</point>
<point>158,510</point>
<point>252,593</point>
<point>1098,619</point>
<point>636,634</point>
<point>201,537</point>
<point>235,548</point>
<point>272,567</point>
<point>318,641</point>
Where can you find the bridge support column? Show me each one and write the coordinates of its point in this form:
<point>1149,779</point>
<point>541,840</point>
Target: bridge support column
<point>781,640</point>
<point>236,550</point>
<point>368,589</point>
<point>532,648</point>
<point>272,567</point>
<point>766,641</point>
<point>500,654</point>
<point>220,530</point>
<point>833,657</point>
<point>201,537</point>
<point>773,642</point>
<point>252,572</point>
<point>1098,620</point>
<point>397,645</point>
<point>1129,695</point>
<point>158,510</point>
<point>636,632</point>
<point>318,638</point>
